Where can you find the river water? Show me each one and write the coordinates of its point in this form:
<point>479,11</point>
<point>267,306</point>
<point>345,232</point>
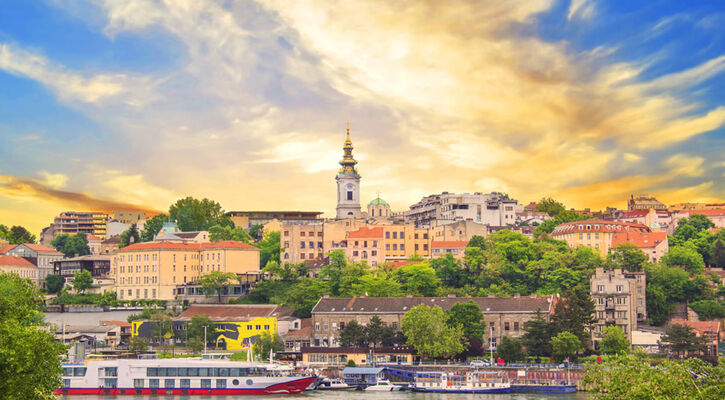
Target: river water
<point>355,395</point>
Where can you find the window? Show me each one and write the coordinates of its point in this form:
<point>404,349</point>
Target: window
<point>375,243</point>
<point>110,382</point>
<point>506,326</point>
<point>317,326</point>
<point>168,383</point>
<point>387,246</point>
<point>425,236</point>
<point>374,253</point>
<point>620,288</point>
<point>325,326</point>
<point>221,383</point>
<point>111,371</point>
<point>286,233</point>
<point>342,325</point>
<point>425,247</point>
<point>302,245</point>
<point>185,383</point>
<point>349,194</point>
<point>206,383</point>
<point>395,235</point>
<point>387,235</point>
<point>402,247</point>
<point>394,325</point>
<point>395,246</point>
<point>600,288</point>
<point>516,326</point>
<point>153,383</point>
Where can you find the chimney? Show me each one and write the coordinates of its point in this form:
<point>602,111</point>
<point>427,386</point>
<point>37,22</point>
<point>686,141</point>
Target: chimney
<point>517,295</point>
<point>452,295</point>
<point>326,296</point>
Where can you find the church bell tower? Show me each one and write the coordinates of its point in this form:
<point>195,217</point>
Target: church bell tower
<point>348,183</point>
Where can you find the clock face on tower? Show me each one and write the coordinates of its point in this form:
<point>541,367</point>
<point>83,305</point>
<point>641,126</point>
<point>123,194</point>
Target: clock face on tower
<point>349,185</point>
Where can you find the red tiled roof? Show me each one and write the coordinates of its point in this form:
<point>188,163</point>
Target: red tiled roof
<point>90,236</point>
<point>230,312</point>
<point>699,326</point>
<point>403,263</point>
<point>605,226</point>
<point>41,249</point>
<point>15,261</point>
<point>7,248</point>
<point>226,244</point>
<point>639,239</point>
<point>364,233</point>
<point>449,244</point>
<point>117,323</point>
<point>709,213</point>
<point>304,332</point>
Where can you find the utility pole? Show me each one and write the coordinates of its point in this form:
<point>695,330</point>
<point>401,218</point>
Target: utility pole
<point>490,346</point>
<point>204,339</point>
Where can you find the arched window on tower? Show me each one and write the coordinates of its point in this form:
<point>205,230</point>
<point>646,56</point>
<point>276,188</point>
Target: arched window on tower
<point>349,194</point>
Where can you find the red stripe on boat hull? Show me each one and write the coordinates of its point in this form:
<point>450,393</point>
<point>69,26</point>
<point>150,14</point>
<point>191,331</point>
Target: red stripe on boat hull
<point>291,387</point>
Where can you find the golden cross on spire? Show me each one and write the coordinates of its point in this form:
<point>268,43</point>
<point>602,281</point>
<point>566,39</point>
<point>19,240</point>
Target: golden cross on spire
<point>348,126</point>
<point>378,192</point>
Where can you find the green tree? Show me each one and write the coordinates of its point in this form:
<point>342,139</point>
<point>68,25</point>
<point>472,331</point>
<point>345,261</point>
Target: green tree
<point>129,236</point>
<point>256,231</point>
<point>628,257</point>
<point>353,335</point>
<point>82,280</point>
<point>153,226</point>
<point>193,214</point>
<point>477,241</point>
<point>333,270</point>
<point>565,345</point>
<point>138,343</point>
<point>4,232</point>
<point>449,270</point>
<point>717,253</point>
<point>269,248</point>
<point>417,279</point>
<point>54,283</point>
<point>708,309</point>
<point>575,314</point>
<point>216,282</point>
<point>267,341</point>
<point>548,226</point>
<point>162,327</point>
<point>537,336</point>
<point>30,366</point>
<point>376,286</point>
<point>510,349</point>
<point>16,235</point>
<point>218,233</point>
<point>75,245</point>
<point>634,377</point>
<point>468,316</point>
<point>550,206</point>
<point>428,333</point>
<point>58,242</point>
<point>686,257</point>
<point>195,332</point>
<point>614,341</point>
<point>285,272</point>
<point>682,340</point>
<point>303,296</point>
<point>377,333</point>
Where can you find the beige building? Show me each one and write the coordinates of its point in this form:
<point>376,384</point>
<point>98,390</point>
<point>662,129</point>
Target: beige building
<point>366,244</point>
<point>19,266</point>
<point>152,270</point>
<point>504,316</point>
<point>619,300</point>
<point>654,244</point>
<point>596,234</point>
<point>246,219</point>
<point>40,256</point>
<point>458,231</point>
<point>129,217</point>
<point>492,209</point>
<point>456,248</point>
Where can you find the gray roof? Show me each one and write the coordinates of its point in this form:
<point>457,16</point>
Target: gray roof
<point>364,371</point>
<point>378,305</point>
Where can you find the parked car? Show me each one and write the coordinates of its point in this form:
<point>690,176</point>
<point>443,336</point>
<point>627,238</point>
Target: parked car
<point>479,363</point>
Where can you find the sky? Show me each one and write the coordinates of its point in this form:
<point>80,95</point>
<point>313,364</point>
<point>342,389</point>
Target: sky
<point>132,104</point>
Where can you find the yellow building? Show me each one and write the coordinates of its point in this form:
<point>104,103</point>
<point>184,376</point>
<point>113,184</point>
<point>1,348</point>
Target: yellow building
<point>152,270</point>
<point>235,325</point>
<point>596,234</point>
<point>19,266</point>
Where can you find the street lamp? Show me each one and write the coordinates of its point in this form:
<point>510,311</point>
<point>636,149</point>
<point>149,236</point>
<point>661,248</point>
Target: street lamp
<point>205,339</point>
<point>490,346</point>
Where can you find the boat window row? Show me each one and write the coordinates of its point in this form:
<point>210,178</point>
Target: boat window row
<point>182,383</point>
<point>74,371</point>
<point>205,371</point>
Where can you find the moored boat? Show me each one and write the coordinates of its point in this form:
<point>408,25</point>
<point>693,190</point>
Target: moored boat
<point>543,388</point>
<point>179,377</point>
<point>470,382</point>
<point>382,385</point>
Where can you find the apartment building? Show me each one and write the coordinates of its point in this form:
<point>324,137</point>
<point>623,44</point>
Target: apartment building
<point>152,270</point>
<point>72,222</point>
<point>246,219</point>
<point>654,244</point>
<point>596,234</point>
<point>619,300</point>
<point>456,248</point>
<point>493,209</point>
<point>366,244</point>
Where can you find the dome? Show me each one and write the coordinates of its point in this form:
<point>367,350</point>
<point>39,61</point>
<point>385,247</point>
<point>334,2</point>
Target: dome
<point>377,202</point>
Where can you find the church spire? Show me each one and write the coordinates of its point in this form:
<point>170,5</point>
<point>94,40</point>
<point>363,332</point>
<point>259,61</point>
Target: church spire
<point>348,162</point>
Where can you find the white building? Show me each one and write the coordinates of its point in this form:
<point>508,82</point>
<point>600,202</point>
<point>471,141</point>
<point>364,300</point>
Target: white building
<point>493,209</point>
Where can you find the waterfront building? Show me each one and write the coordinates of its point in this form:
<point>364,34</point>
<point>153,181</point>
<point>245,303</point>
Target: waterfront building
<point>504,316</point>
<point>619,300</point>
<point>235,325</point>
<point>40,256</point>
<point>325,357</point>
<point>348,184</point>
<point>152,270</point>
<point>596,234</point>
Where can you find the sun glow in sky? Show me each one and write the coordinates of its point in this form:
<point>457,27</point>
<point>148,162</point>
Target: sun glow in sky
<point>110,104</point>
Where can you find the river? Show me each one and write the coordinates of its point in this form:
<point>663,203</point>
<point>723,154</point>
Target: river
<point>354,395</point>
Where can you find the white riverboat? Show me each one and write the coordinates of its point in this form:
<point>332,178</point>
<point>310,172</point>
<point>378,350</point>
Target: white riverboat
<point>469,382</point>
<point>383,385</point>
<point>179,377</point>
